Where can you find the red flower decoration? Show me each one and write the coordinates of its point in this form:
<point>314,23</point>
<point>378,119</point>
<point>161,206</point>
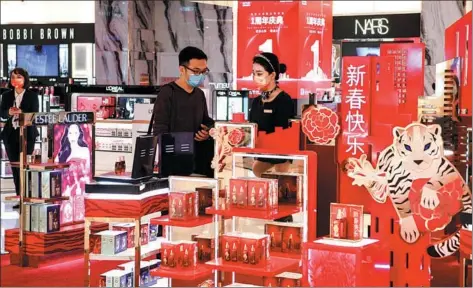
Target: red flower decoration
<point>236,137</point>
<point>449,205</point>
<point>320,124</point>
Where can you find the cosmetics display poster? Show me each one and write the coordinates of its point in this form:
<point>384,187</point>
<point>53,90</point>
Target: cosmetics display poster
<point>73,144</point>
<point>298,32</point>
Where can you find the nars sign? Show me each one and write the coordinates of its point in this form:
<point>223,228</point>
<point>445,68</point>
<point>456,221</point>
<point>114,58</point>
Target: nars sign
<point>372,26</point>
<point>39,34</point>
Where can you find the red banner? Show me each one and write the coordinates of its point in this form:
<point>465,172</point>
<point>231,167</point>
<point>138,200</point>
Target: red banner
<point>355,108</point>
<point>298,32</point>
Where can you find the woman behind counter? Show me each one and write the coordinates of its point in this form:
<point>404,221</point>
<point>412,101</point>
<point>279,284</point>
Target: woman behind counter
<point>14,102</point>
<point>273,108</point>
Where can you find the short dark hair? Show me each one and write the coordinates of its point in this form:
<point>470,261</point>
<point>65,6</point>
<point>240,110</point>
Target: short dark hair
<point>270,63</point>
<point>22,72</point>
<point>189,53</point>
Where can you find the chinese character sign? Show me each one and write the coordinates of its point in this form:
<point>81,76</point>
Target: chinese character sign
<point>356,91</point>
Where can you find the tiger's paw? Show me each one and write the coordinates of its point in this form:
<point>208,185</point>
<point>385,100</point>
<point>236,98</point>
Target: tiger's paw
<point>409,231</point>
<point>429,198</point>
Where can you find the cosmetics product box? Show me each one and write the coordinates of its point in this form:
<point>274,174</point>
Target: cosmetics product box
<point>50,184</point>
<point>262,193</point>
<point>129,228</point>
<point>205,198</point>
<point>48,218</point>
<point>275,232</point>
<point>153,232</point>
<point>284,237</point>
<point>237,194</point>
<point>289,187</point>
<point>230,247</point>
<point>144,230</point>
<point>35,215</point>
<point>113,242</point>
<point>339,228</point>
<point>95,243</point>
<point>144,270</point>
<point>89,104</point>
<point>116,278</point>
<point>27,223</point>
<point>187,255</point>
<point>254,248</point>
<point>289,279</point>
<point>153,264</point>
<point>184,205</point>
<point>205,247</point>
<point>346,221</point>
<point>35,188</point>
<point>169,254</point>
<point>67,211</point>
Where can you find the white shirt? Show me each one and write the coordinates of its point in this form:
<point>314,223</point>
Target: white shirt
<point>17,103</point>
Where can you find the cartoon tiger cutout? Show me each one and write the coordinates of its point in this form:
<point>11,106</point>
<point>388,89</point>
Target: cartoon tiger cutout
<point>416,153</point>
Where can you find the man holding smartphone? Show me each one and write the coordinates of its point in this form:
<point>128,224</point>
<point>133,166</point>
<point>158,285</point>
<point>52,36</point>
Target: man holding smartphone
<point>181,107</point>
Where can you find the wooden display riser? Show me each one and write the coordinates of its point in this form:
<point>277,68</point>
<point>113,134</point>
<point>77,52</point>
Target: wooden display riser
<point>40,246</point>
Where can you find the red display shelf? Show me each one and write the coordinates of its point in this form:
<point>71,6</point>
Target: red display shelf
<point>282,211</point>
<point>183,274</point>
<point>275,266</point>
<point>165,221</point>
<point>285,255</point>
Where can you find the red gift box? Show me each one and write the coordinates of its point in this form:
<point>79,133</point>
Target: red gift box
<point>289,187</point>
<point>262,193</point>
<point>289,279</point>
<point>205,247</point>
<point>89,104</point>
<point>169,257</point>
<point>187,257</point>
<point>292,238</point>
<point>352,216</point>
<point>144,230</point>
<point>184,205</point>
<point>78,208</point>
<point>205,195</point>
<point>95,243</point>
<point>237,196</point>
<point>230,247</point>
<point>254,249</point>
<point>275,232</point>
<point>339,229</point>
<point>130,230</point>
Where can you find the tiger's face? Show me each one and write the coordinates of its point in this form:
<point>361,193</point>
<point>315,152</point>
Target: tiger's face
<point>418,146</point>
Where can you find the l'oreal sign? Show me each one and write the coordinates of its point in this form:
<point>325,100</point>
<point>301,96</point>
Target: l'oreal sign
<point>115,89</point>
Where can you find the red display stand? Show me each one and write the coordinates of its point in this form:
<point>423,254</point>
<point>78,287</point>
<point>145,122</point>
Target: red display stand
<point>275,266</point>
<point>465,258</point>
<point>339,263</point>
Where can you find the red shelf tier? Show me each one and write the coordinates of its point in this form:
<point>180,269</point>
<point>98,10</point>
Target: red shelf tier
<point>275,266</point>
<point>183,274</point>
<point>165,221</point>
<point>282,211</point>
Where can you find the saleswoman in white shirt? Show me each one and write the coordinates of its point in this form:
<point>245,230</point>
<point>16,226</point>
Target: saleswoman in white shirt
<point>14,102</point>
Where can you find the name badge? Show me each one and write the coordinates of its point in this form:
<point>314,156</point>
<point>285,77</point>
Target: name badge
<point>268,111</point>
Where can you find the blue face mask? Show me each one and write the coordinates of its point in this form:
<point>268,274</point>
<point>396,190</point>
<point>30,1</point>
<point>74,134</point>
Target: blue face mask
<point>196,80</point>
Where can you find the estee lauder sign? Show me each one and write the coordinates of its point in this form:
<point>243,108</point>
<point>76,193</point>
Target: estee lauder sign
<point>44,119</point>
<point>47,33</point>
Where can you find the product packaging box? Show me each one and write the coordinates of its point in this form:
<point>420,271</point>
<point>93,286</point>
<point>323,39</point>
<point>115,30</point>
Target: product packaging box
<point>230,247</point>
<point>67,211</point>
<point>289,279</point>
<point>144,271</point>
<point>89,104</point>
<point>153,232</point>
<point>153,264</point>
<point>187,257</point>
<point>129,228</point>
<point>116,278</point>
<point>35,189</point>
<point>27,223</point>
<point>144,230</point>
<point>35,215</point>
<point>237,194</point>
<point>113,242</point>
<point>49,219</point>
<point>262,193</point>
<point>50,184</point>
<point>183,205</point>
<point>169,251</point>
<point>291,238</point>
<point>339,229</point>
<point>95,243</point>
<point>254,249</point>
<point>346,221</point>
<point>275,232</point>
<point>205,247</point>
<point>205,198</point>
<point>289,187</point>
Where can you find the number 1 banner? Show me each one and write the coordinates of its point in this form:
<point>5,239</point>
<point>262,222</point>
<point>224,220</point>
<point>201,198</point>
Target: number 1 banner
<point>298,32</point>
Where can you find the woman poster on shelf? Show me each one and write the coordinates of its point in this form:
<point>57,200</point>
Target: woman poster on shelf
<point>73,145</point>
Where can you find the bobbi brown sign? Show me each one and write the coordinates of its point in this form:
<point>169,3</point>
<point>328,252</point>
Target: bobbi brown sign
<point>47,33</point>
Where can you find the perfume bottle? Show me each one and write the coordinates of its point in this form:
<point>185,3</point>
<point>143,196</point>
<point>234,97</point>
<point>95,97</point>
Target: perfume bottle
<point>117,167</point>
<point>123,164</point>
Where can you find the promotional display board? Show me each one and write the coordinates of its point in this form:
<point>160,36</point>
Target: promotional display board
<point>298,32</point>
